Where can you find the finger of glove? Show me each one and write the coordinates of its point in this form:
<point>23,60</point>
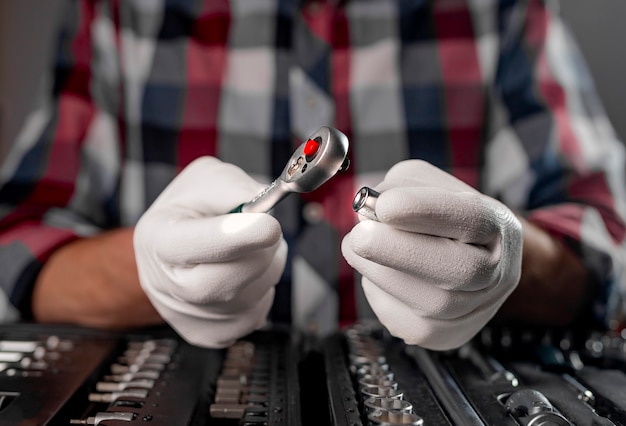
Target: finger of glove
<point>188,242</point>
<point>206,328</point>
<point>421,173</point>
<point>228,286</point>
<point>464,216</point>
<point>425,299</point>
<point>442,262</point>
<point>431,301</point>
<point>430,333</point>
<point>208,187</point>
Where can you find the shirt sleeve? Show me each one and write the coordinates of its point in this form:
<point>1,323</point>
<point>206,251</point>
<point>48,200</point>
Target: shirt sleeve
<point>54,186</point>
<point>574,183</point>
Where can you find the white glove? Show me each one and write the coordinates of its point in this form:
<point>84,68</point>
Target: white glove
<point>442,259</point>
<point>210,275</point>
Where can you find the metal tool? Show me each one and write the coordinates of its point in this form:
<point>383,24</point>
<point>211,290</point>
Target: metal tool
<point>530,407</point>
<point>114,396</point>
<point>554,359</point>
<point>490,368</point>
<point>312,163</point>
<point>364,202</point>
<point>394,418</point>
<point>379,404</point>
<point>103,417</point>
<point>445,388</point>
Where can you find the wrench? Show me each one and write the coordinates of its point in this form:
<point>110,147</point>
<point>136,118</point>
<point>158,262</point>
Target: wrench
<point>314,162</point>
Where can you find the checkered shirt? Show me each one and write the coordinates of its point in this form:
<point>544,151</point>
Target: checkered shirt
<point>493,92</point>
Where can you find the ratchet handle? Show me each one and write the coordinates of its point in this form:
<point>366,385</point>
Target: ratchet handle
<point>265,200</point>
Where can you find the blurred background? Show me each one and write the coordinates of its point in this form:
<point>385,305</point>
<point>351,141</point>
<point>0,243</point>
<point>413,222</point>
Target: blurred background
<point>27,28</point>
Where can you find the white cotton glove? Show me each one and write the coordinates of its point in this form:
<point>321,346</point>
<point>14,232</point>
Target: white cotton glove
<point>442,259</point>
<point>210,275</point>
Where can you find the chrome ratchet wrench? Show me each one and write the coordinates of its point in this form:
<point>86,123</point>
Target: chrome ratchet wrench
<point>314,162</point>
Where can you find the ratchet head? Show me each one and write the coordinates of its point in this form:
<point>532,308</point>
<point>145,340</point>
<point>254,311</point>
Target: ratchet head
<point>316,160</point>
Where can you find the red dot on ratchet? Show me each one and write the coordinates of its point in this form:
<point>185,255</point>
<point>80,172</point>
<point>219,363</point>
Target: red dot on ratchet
<point>311,147</point>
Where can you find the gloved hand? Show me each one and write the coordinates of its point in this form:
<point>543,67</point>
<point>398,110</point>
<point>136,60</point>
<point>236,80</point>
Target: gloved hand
<point>442,259</point>
<point>210,275</point>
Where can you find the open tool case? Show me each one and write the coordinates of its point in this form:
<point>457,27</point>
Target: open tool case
<point>358,376</point>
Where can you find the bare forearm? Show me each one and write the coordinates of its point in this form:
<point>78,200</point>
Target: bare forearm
<point>93,282</point>
<point>553,285</point>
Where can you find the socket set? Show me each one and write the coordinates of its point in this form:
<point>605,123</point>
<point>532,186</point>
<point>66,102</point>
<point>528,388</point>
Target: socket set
<point>503,377</point>
<point>257,383</point>
<point>359,376</point>
<point>76,376</point>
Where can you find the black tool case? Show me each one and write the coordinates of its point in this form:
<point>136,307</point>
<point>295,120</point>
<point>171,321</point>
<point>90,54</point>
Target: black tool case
<point>359,376</point>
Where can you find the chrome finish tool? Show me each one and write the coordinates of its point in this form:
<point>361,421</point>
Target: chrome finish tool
<point>364,202</point>
<point>314,162</point>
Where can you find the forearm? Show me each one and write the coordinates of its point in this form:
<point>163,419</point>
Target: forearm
<point>553,287</point>
<point>93,282</point>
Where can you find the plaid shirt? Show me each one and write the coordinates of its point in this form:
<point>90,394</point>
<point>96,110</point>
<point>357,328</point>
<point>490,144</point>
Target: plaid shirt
<point>491,91</point>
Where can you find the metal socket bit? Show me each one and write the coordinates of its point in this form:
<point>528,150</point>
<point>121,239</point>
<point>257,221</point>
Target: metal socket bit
<point>381,404</point>
<point>380,392</point>
<point>394,418</point>
<point>364,202</point>
<point>531,407</point>
<point>378,381</point>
